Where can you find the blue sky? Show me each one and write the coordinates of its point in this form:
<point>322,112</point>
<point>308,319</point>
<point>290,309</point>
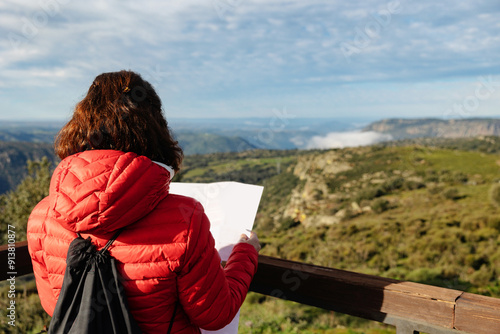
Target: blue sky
<point>246,58</point>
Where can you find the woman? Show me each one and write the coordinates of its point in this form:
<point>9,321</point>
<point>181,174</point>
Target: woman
<point>118,158</point>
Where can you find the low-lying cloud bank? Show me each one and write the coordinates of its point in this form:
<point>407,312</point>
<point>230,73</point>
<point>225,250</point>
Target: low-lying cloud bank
<point>347,139</point>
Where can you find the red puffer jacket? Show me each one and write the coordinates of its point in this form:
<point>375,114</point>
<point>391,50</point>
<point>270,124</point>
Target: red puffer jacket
<point>165,254</point>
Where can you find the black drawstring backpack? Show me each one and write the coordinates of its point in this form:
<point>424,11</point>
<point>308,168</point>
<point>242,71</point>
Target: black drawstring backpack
<point>92,299</point>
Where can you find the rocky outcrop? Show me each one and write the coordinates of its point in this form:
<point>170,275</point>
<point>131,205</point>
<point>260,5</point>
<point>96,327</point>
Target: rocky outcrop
<point>309,201</point>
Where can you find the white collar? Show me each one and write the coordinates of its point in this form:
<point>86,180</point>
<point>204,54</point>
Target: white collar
<point>170,169</point>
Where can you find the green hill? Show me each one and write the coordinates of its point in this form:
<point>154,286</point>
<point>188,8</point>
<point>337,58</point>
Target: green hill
<point>424,213</point>
<point>418,213</point>
<point>205,143</point>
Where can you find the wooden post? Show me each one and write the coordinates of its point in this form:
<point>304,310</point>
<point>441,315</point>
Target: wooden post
<point>22,260</point>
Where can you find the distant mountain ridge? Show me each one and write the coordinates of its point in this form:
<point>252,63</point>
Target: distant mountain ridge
<point>432,127</point>
<point>16,148</point>
<point>203,143</point>
<point>20,142</point>
<point>191,142</point>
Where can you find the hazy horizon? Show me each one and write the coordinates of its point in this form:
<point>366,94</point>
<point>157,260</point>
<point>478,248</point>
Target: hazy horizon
<point>268,133</point>
<point>201,119</point>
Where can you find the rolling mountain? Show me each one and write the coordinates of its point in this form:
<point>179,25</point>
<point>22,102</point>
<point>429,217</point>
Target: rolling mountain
<point>431,127</point>
<point>23,141</point>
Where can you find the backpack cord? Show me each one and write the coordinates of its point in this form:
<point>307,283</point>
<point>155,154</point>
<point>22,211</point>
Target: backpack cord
<point>172,320</point>
<point>110,241</point>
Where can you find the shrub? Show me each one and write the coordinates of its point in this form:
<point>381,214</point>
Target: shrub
<point>28,307</point>
<point>495,194</point>
<point>287,223</point>
<point>451,193</point>
<point>482,276</point>
<point>265,224</point>
<point>425,275</point>
<point>393,183</point>
<point>431,175</point>
<point>434,190</point>
<point>369,193</point>
<point>460,177</point>
<point>473,223</point>
<point>380,205</point>
<point>334,184</point>
<point>413,185</point>
<point>454,178</point>
<point>476,261</point>
<point>431,178</point>
<point>318,194</point>
<point>494,222</point>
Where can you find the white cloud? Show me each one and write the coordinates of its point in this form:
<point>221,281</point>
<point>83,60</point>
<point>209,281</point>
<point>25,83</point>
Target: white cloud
<point>278,48</point>
<point>346,139</point>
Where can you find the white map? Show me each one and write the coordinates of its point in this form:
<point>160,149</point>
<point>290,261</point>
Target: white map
<point>231,208</point>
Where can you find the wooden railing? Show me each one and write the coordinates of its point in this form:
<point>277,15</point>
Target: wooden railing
<point>411,307</point>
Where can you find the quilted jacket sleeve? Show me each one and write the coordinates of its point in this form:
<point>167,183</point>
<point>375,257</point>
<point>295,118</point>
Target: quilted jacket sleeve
<point>36,232</point>
<point>209,294</point>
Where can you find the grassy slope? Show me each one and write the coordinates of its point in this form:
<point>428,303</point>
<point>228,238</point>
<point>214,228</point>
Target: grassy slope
<point>439,228</point>
<point>424,234</point>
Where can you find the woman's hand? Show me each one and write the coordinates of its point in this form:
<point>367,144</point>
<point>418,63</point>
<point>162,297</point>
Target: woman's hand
<point>253,240</point>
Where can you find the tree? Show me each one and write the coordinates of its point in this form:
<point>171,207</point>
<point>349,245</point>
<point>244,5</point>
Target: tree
<point>16,206</point>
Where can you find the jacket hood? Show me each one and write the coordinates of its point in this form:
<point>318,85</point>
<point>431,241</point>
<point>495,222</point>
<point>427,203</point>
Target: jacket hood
<point>100,191</point>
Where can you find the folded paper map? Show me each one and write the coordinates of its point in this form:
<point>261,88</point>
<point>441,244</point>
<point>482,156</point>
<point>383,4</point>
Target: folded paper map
<point>231,208</point>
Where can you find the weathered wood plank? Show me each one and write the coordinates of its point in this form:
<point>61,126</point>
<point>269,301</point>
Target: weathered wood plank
<point>328,288</point>
<point>365,296</point>
<point>412,327</point>
<point>478,314</point>
<point>430,304</point>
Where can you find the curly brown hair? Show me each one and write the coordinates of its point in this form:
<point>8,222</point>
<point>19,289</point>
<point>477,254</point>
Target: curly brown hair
<point>121,111</point>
